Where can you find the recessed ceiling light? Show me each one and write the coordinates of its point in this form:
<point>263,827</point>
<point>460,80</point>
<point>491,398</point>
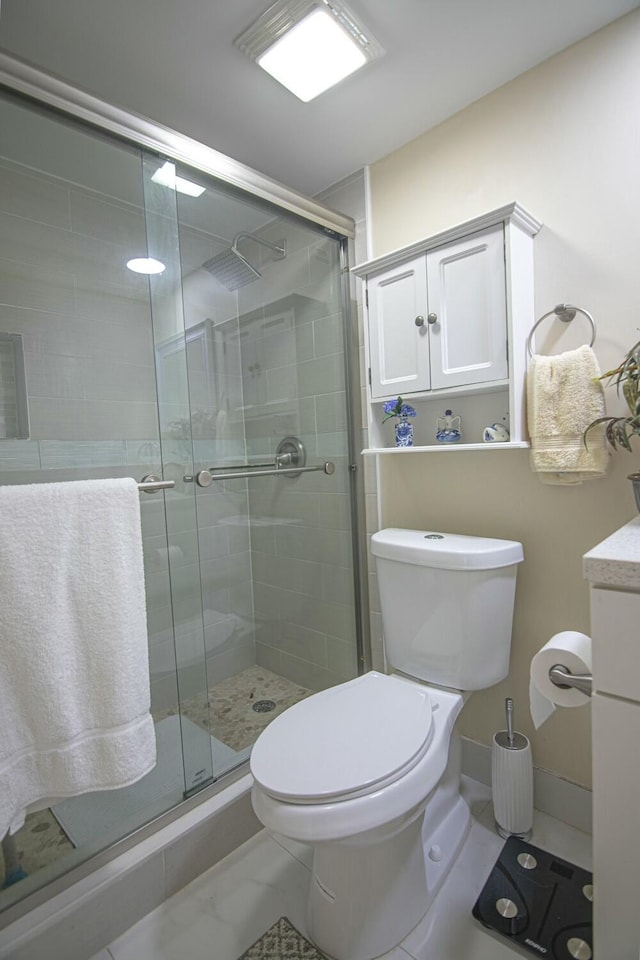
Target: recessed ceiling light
<point>308,45</point>
<point>166,175</point>
<point>146,265</point>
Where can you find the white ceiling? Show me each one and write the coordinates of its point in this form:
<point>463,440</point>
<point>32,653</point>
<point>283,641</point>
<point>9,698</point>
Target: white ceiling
<point>174,61</point>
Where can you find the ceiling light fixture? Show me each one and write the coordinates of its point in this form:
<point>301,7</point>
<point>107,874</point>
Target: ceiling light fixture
<point>166,175</point>
<point>146,265</point>
<point>308,45</point>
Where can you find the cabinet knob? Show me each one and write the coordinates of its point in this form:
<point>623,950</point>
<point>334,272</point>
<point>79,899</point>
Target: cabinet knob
<point>433,318</point>
<point>419,321</point>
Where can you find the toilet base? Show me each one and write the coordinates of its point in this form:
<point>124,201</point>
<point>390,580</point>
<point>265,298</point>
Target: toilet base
<point>364,899</point>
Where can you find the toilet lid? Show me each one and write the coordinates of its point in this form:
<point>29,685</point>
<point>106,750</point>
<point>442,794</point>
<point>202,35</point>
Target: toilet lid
<point>344,742</point>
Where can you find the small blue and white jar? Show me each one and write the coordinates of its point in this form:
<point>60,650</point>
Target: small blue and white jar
<point>404,432</point>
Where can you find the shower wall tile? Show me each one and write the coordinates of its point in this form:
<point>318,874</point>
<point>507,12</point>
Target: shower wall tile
<point>19,455</point>
<point>214,542</point>
<point>228,663</point>
<point>337,583</point>
<point>304,343</point>
<point>303,642</point>
<point>310,578</point>
<point>40,288</point>
<point>328,335</point>
<point>117,380</point>
<point>341,656</point>
<point>54,376</point>
<point>319,376</point>
<point>334,510</point>
<point>113,303</point>
<point>30,243</point>
<point>32,197</point>
<point>61,454</point>
<point>331,413</point>
<point>108,220</point>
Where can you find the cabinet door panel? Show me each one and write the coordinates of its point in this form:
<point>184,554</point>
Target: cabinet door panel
<point>466,282</point>
<point>399,349</point>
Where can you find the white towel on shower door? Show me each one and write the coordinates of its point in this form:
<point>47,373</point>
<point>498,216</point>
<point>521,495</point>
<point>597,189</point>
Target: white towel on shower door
<point>74,664</point>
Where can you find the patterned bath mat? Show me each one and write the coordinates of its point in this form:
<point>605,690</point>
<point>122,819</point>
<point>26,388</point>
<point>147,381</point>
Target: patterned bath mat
<point>282,942</point>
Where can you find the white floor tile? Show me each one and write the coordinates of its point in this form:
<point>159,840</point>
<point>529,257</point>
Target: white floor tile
<point>223,912</point>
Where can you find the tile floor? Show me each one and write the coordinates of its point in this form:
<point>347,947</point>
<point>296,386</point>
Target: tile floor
<point>221,913</point>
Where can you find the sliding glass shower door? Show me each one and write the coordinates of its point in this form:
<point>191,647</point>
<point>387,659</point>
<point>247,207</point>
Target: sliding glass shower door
<point>265,333</point>
<point>224,372</point>
<point>79,401</point>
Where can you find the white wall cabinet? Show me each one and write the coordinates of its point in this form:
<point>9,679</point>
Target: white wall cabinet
<point>447,324</point>
<point>440,320</point>
<point>613,568</point>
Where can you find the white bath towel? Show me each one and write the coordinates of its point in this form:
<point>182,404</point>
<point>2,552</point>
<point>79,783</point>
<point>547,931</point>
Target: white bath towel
<point>564,395</point>
<point>74,665</point>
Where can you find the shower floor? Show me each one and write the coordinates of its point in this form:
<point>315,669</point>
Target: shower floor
<point>226,712</point>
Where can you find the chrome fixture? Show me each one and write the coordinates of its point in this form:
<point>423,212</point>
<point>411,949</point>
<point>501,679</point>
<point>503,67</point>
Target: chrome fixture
<point>152,484</point>
<point>564,312</point>
<point>205,478</point>
<point>233,270</point>
<point>565,679</point>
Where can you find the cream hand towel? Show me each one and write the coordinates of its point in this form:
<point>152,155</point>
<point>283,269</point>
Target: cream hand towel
<point>74,666</point>
<point>564,395</point>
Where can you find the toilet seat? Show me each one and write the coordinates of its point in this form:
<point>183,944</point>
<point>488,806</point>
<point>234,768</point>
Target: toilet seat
<point>345,742</point>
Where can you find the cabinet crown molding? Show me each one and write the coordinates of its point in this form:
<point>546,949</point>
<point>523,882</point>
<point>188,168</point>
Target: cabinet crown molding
<point>511,213</point>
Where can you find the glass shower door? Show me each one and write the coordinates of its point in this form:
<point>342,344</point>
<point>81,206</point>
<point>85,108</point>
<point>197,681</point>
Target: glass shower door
<point>79,401</point>
<point>265,346</point>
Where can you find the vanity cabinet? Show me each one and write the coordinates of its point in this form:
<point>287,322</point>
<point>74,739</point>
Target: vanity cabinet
<point>613,569</point>
<point>447,322</point>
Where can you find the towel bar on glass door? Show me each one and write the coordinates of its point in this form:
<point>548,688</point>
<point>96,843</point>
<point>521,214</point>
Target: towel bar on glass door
<point>565,312</point>
<point>153,484</point>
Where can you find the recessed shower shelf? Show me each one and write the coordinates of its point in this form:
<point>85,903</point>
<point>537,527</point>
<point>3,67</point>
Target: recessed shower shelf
<point>441,447</point>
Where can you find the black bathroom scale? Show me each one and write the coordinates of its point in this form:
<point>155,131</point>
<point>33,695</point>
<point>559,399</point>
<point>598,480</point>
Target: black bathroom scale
<point>540,902</point>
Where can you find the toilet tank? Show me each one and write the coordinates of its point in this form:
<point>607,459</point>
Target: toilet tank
<point>447,605</point>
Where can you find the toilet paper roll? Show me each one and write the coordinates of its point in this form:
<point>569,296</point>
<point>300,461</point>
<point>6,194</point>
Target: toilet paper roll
<point>573,651</point>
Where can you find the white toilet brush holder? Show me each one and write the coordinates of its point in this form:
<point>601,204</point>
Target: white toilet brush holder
<point>512,780</point>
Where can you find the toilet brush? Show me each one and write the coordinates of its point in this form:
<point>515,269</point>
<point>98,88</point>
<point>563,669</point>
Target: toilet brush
<point>512,780</point>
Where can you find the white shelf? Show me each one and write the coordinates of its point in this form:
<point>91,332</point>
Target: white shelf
<point>439,448</point>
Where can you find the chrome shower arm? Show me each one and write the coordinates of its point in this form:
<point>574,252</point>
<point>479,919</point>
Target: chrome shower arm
<point>280,249</point>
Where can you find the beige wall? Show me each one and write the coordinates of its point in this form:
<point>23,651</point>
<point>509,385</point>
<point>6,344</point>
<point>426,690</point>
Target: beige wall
<point>563,140</point>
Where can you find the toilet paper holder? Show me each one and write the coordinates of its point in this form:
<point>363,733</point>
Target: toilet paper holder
<point>561,677</point>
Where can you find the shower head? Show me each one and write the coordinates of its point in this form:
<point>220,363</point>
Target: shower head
<point>232,269</point>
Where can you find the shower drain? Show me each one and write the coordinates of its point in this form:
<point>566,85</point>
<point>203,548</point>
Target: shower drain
<point>263,706</point>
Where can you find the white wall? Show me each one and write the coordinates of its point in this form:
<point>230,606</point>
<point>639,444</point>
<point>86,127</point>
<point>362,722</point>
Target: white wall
<point>563,141</point>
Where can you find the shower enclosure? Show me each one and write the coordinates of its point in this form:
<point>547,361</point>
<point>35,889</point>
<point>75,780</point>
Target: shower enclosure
<point>226,373</point>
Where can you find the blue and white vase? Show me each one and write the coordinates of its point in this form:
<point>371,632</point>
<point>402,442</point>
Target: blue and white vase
<point>404,432</point>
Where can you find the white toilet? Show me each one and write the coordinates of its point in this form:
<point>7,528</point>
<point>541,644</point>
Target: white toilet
<point>368,772</point>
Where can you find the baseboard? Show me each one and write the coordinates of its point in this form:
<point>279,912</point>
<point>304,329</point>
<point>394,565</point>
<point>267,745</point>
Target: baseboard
<point>559,798</point>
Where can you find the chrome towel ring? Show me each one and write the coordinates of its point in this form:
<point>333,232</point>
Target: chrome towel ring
<point>564,312</point>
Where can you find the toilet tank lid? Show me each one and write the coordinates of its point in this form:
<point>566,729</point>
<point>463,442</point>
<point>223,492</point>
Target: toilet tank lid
<point>447,551</point>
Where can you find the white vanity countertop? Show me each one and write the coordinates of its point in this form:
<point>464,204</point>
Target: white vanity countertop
<point>616,561</point>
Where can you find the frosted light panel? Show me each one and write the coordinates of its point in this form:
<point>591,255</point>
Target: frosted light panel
<point>166,175</point>
<point>313,56</point>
